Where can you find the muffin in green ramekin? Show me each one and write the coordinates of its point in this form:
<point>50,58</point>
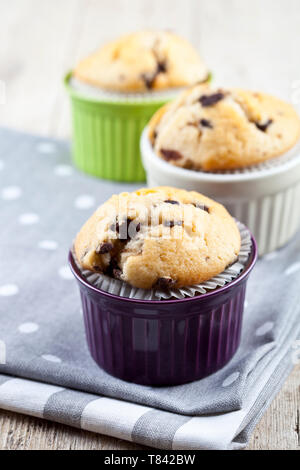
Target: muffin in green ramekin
<point>114,93</point>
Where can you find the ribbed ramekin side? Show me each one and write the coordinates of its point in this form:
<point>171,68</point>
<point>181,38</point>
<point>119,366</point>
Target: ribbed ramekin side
<point>164,350</point>
<point>272,219</point>
<point>106,145</point>
<point>93,332</point>
<point>106,138</point>
<point>218,334</point>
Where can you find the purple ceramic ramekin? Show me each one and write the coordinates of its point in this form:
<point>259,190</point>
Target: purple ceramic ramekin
<point>167,342</point>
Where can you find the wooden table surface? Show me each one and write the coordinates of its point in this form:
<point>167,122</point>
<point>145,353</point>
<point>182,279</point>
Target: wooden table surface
<point>246,43</point>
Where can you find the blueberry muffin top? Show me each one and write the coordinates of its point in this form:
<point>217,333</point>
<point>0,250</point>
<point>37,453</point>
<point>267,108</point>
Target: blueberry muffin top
<point>143,61</point>
<point>216,129</point>
<point>160,237</point>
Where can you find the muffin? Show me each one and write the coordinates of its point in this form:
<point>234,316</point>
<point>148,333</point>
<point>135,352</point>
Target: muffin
<point>161,237</point>
<point>117,89</point>
<point>238,147</point>
<point>142,61</point>
<point>211,130</point>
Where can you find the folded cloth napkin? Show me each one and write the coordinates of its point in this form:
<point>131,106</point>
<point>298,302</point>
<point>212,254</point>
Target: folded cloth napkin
<point>45,366</point>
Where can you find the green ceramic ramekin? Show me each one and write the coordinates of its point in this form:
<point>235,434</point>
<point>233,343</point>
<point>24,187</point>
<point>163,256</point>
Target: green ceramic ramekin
<point>106,134</point>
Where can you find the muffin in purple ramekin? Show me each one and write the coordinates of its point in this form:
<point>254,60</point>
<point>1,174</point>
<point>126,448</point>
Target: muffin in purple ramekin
<point>172,272</point>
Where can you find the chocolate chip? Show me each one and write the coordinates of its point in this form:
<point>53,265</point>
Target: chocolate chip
<point>165,282</point>
<point>113,269</point>
<point>206,123</point>
<point>169,201</point>
<point>148,79</point>
<point>161,67</point>
<point>172,223</point>
<point>210,100</point>
<point>171,154</point>
<point>104,248</point>
<point>113,264</point>
<point>263,127</point>
<point>201,206</point>
<point>117,273</point>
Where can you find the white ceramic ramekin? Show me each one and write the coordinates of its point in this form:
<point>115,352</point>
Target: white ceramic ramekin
<point>266,198</point>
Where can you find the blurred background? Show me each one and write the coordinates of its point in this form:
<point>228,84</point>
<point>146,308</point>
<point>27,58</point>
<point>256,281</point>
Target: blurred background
<point>246,43</point>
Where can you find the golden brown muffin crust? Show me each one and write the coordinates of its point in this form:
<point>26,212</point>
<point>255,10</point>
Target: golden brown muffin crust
<point>162,237</point>
<point>142,61</point>
<point>207,129</point>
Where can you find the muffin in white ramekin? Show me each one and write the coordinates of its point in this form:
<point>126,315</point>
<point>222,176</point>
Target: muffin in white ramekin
<point>241,148</point>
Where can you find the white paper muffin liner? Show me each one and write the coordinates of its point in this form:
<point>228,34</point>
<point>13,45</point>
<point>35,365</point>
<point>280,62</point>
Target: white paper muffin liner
<point>122,289</point>
<point>263,166</point>
<point>106,95</point>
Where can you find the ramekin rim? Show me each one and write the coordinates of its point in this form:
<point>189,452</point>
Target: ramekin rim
<point>199,176</point>
<point>251,263</point>
<point>89,99</point>
<point>72,92</point>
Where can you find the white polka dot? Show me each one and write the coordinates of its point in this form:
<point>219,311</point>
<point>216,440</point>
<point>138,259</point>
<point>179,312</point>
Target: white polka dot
<point>48,245</point>
<point>46,147</point>
<point>28,218</point>
<point>65,273</point>
<point>292,269</point>
<point>27,328</point>
<point>8,289</point>
<point>84,202</point>
<point>51,358</point>
<point>63,170</point>
<point>265,328</point>
<point>230,379</point>
<point>1,165</point>
<point>10,193</point>
<point>271,256</point>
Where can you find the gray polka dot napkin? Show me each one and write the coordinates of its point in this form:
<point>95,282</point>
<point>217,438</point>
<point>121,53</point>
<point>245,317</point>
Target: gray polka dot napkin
<point>45,366</point>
